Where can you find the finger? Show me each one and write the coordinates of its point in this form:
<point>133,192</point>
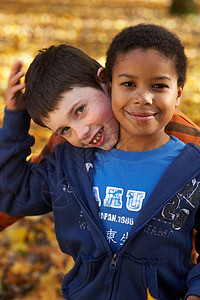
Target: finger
<point>16,103</point>
<point>16,68</point>
<point>17,88</point>
<point>15,79</point>
<point>11,93</point>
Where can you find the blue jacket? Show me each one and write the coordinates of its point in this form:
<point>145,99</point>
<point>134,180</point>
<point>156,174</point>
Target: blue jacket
<point>157,254</point>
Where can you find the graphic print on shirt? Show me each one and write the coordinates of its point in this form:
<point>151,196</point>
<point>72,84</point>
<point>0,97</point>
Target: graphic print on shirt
<point>118,212</point>
<point>122,183</point>
<point>134,200</point>
<point>82,222</point>
<point>175,213</point>
<point>178,209</point>
<point>113,197</point>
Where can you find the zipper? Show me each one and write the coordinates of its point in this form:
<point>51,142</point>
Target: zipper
<point>110,275</point>
<point>113,265</point>
<point>114,260</point>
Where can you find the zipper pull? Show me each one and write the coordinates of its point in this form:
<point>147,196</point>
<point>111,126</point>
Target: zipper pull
<point>111,271</point>
<point>114,260</point>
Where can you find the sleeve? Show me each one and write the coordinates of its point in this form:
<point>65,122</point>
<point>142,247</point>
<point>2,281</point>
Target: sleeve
<point>21,183</point>
<point>183,128</point>
<point>193,279</point>
<point>6,220</point>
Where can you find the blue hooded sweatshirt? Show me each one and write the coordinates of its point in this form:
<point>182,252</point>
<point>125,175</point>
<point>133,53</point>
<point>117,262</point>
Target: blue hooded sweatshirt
<point>157,255</point>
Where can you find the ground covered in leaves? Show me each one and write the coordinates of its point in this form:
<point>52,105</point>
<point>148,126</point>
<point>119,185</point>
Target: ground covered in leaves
<point>31,265</point>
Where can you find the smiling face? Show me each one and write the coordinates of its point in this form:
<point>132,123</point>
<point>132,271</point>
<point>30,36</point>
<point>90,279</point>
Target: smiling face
<point>84,117</point>
<point>144,95</point>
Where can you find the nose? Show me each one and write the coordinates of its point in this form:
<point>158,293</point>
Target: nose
<point>82,132</point>
<point>143,97</point>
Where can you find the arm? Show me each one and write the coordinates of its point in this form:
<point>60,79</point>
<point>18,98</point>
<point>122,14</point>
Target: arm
<point>21,183</point>
<point>14,96</point>
<point>14,89</point>
<point>187,131</point>
<point>6,220</point>
<point>193,279</point>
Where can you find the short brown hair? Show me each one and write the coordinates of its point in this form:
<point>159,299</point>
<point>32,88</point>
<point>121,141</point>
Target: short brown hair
<point>53,71</point>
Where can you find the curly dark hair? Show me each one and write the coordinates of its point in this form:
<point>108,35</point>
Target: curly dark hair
<point>146,36</point>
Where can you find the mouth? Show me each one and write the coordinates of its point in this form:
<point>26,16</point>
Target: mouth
<point>142,116</point>
<point>98,139</point>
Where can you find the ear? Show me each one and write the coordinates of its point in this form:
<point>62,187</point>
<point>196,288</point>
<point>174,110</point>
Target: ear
<point>178,99</point>
<point>101,74</point>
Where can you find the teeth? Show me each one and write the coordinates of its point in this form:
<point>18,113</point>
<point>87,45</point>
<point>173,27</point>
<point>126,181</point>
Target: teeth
<point>98,137</point>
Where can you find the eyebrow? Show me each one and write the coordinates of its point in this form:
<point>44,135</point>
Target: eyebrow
<point>133,76</point>
<point>127,75</point>
<point>162,77</point>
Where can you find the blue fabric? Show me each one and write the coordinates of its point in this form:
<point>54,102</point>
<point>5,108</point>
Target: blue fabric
<point>121,197</point>
<point>156,255</point>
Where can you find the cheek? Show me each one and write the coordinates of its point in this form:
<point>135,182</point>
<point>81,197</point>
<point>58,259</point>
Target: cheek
<point>116,106</point>
<point>117,100</point>
<point>73,141</point>
<point>104,113</point>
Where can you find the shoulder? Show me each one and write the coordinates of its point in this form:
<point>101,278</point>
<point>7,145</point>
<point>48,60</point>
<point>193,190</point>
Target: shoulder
<point>183,128</point>
<point>72,152</point>
<point>193,148</point>
<point>191,155</point>
<point>188,161</point>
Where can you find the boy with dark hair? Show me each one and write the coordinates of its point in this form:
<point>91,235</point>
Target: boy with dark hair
<point>54,71</point>
<point>123,242</point>
<point>146,70</point>
<point>61,69</point>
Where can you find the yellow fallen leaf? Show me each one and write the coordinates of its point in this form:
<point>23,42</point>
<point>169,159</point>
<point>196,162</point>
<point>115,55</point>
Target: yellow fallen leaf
<point>17,237</point>
<point>149,297</point>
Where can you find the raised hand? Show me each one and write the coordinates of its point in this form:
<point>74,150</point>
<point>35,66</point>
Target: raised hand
<point>13,95</point>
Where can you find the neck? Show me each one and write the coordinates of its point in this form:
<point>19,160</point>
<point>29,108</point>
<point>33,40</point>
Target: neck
<point>142,143</point>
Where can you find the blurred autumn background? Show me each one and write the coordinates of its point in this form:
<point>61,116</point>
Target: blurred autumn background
<point>31,264</point>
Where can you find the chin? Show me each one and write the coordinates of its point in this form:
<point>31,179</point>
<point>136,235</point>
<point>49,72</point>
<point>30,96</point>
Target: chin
<point>106,148</point>
<point>109,147</point>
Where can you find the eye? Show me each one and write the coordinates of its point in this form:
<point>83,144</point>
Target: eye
<point>80,110</point>
<point>128,84</point>
<point>159,86</point>
<point>65,130</point>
